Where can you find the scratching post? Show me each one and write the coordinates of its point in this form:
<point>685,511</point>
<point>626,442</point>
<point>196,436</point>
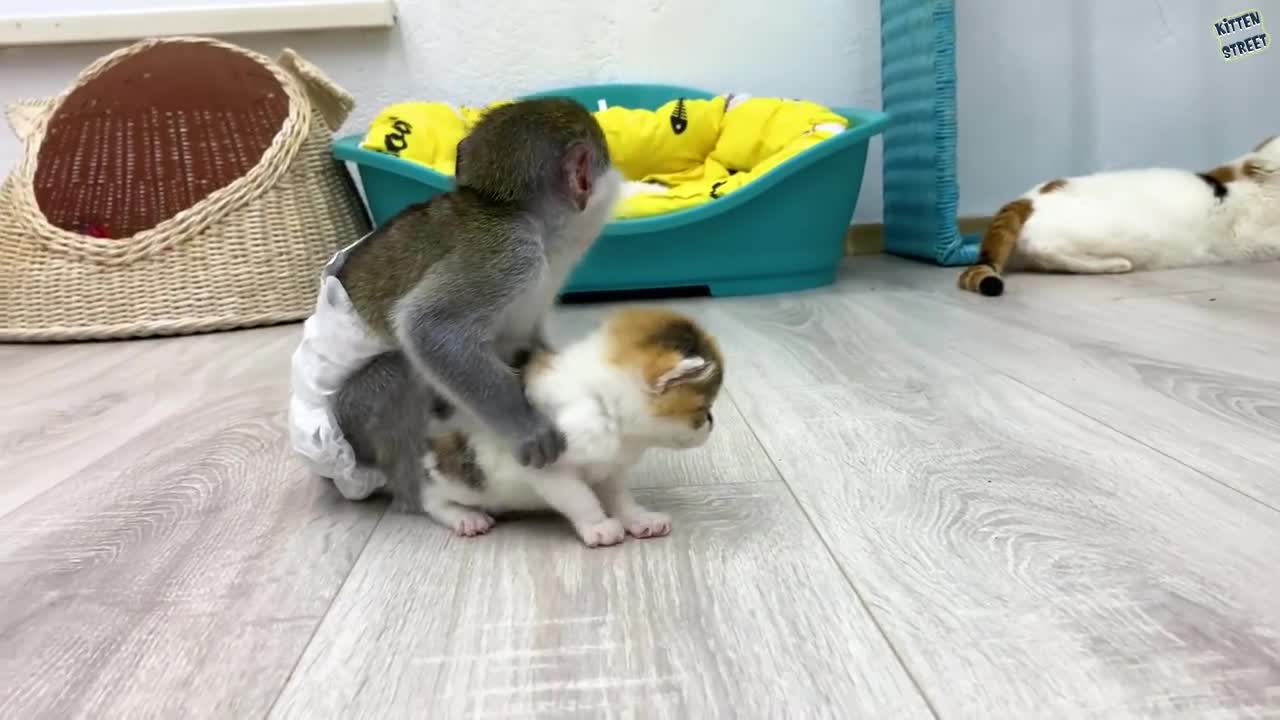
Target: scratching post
<point>918,83</point>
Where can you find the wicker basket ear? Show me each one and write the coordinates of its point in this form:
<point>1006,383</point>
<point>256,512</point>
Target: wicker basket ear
<point>332,102</point>
<point>25,115</point>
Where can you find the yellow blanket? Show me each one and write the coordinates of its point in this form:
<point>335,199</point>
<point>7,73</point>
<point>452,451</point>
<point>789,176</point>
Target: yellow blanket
<point>683,154</point>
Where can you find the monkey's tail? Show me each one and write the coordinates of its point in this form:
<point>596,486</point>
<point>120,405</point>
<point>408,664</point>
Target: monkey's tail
<point>997,245</point>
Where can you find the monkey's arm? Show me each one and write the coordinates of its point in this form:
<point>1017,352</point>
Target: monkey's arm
<point>446,326</point>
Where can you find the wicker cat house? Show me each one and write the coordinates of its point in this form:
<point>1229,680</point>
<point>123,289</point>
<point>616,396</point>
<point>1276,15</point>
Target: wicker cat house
<point>180,185</point>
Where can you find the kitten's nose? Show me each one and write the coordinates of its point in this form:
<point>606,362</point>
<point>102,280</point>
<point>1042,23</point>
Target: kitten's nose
<point>711,421</point>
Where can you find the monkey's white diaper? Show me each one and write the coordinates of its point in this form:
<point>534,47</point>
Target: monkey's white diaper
<point>335,343</point>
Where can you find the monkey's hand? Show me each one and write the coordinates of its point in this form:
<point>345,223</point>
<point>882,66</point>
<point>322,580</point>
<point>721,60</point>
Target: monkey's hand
<point>542,444</point>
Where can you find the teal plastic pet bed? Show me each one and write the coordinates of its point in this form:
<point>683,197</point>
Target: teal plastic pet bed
<point>918,86</point>
<point>784,231</point>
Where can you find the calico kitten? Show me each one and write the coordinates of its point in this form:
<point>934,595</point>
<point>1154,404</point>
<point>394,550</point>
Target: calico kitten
<point>645,379</point>
<point>1115,222</point>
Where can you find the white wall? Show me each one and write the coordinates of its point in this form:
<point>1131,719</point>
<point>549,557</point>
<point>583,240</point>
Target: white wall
<point>1046,89</point>
<point>1049,89</point>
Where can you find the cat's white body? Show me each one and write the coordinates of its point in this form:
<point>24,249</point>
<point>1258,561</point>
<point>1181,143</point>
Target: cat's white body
<point>603,409</point>
<point>590,402</point>
<point>1112,222</point>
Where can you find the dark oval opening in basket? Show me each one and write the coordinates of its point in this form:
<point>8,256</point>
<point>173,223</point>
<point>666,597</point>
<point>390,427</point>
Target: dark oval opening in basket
<point>153,135</point>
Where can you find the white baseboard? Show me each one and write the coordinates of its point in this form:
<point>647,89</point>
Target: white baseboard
<point>868,238</point>
<point>219,17</point>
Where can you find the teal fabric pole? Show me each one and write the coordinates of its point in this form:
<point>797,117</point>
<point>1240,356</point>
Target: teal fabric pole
<point>918,86</point>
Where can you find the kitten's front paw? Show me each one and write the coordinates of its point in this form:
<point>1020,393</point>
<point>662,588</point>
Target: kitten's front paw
<point>606,532</point>
<point>648,524</point>
<point>471,523</point>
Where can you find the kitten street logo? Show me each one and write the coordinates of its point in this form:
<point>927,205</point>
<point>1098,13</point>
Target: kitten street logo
<point>1241,35</point>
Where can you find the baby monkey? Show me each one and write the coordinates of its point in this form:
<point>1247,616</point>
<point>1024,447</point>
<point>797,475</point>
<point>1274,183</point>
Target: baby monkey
<point>459,287</point>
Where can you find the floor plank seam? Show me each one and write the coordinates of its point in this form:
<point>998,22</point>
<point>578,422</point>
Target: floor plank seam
<point>711,486</point>
<point>1118,431</point>
<point>831,555</point>
<point>87,468</point>
<point>1166,294</point>
<point>323,616</point>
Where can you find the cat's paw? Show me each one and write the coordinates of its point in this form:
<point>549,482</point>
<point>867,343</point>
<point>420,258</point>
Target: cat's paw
<point>606,532</point>
<point>472,523</point>
<point>648,524</point>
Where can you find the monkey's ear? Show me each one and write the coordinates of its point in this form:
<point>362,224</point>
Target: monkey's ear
<point>577,171</point>
<point>689,369</point>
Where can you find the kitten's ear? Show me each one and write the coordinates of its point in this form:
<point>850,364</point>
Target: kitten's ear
<point>689,369</point>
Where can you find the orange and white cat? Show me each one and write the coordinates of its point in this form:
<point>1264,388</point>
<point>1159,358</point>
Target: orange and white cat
<point>1145,219</point>
<point>645,379</point>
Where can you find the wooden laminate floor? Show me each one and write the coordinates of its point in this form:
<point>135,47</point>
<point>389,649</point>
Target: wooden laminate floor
<point>1064,502</point>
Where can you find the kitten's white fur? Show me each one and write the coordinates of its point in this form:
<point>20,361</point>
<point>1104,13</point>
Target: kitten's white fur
<point>604,412</point>
<point>1114,222</point>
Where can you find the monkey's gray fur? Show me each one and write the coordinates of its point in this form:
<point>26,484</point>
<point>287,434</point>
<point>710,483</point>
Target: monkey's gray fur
<point>462,284</point>
<point>385,411</point>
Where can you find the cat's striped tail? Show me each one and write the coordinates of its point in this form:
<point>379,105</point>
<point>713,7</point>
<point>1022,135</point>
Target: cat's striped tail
<point>997,245</point>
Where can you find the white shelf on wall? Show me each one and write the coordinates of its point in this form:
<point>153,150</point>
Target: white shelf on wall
<point>53,22</point>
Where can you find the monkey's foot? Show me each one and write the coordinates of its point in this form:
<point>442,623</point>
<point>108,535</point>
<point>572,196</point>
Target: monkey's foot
<point>606,532</point>
<point>646,524</point>
<point>470,523</point>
